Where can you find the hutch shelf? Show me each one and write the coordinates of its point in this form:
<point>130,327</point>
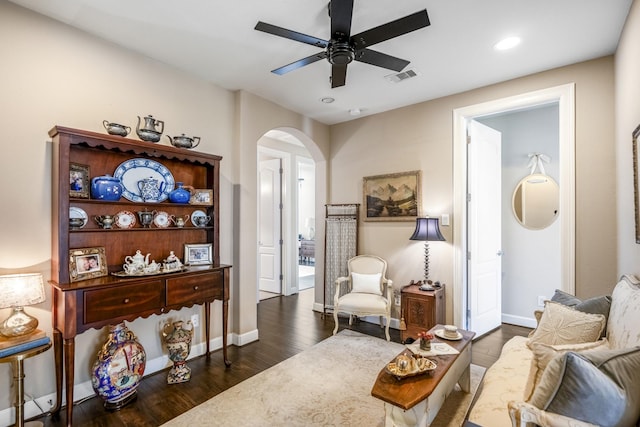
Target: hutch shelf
<point>80,305</point>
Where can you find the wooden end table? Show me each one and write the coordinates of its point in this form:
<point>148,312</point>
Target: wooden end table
<point>415,401</point>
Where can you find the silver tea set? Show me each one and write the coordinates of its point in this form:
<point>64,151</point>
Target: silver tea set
<point>139,264</point>
<point>150,129</point>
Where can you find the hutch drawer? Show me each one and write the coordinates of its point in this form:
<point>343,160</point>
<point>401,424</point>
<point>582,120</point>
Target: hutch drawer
<point>110,303</point>
<point>198,287</point>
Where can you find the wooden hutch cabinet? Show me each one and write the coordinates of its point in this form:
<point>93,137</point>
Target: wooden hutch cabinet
<point>109,299</point>
<point>422,310</point>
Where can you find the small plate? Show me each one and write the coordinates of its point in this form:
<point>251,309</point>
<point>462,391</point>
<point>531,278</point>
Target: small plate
<point>440,334</point>
<point>161,220</point>
<point>195,214</point>
<point>125,219</point>
<point>75,212</point>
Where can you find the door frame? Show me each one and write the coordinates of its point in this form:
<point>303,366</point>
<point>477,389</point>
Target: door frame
<point>564,95</point>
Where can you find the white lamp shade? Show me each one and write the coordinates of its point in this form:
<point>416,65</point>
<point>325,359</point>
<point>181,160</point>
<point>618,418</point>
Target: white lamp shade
<point>19,290</point>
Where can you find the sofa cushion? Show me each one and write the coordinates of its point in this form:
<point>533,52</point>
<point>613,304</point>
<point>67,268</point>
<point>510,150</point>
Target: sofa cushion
<point>366,283</point>
<point>560,324</point>
<point>601,387</point>
<point>623,330</point>
<point>502,382</point>
<point>544,353</point>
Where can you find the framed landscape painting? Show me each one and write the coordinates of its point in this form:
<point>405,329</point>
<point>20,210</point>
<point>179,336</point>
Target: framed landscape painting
<point>392,197</point>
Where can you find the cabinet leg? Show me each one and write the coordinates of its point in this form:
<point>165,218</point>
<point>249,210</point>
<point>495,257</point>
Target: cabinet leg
<point>207,326</point>
<point>57,355</point>
<point>225,316</point>
<point>69,368</point>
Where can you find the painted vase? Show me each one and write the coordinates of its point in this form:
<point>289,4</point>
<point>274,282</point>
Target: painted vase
<point>180,194</point>
<point>178,343</point>
<point>119,367</point>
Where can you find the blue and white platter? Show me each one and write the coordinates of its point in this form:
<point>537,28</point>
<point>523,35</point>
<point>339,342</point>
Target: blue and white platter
<point>132,171</point>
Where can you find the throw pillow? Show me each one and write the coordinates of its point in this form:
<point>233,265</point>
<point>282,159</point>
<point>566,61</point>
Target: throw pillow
<point>564,298</point>
<point>560,324</point>
<point>601,387</point>
<point>366,283</point>
<point>544,353</point>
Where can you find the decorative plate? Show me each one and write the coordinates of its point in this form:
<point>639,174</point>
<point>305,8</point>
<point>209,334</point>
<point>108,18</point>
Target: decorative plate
<point>161,220</point>
<point>134,170</point>
<point>440,334</point>
<point>195,214</point>
<point>75,212</point>
<point>125,219</point>
<point>417,366</point>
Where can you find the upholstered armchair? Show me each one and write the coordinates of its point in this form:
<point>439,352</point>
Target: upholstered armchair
<point>365,292</point>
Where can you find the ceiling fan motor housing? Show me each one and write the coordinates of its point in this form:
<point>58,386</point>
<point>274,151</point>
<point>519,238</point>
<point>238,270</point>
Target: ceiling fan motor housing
<point>341,53</point>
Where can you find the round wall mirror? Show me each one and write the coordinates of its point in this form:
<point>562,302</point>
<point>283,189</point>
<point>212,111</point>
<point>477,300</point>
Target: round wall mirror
<point>536,201</point>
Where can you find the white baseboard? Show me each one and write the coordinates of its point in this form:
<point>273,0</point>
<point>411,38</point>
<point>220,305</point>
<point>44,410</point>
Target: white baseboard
<point>527,322</point>
<point>40,405</point>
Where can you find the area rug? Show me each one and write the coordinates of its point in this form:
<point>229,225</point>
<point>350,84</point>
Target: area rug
<point>326,385</point>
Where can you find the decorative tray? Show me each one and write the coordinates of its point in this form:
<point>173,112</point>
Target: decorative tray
<point>155,273</point>
<point>415,366</point>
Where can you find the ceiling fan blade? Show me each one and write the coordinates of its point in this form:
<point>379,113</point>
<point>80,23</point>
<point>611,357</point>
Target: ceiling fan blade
<point>338,75</point>
<point>379,59</point>
<point>341,12</point>
<point>289,34</point>
<point>300,63</point>
<point>391,29</point>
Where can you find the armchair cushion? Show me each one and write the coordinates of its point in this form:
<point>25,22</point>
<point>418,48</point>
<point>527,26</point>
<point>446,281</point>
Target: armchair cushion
<point>358,303</point>
<point>601,387</point>
<point>560,324</point>
<point>366,283</point>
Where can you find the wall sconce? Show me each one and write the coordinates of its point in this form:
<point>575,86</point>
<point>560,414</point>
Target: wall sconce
<point>17,291</point>
<point>427,230</point>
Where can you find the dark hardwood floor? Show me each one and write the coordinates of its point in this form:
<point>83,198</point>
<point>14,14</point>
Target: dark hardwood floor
<point>287,326</point>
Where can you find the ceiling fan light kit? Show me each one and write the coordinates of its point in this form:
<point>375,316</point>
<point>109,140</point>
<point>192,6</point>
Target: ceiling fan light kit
<point>343,48</point>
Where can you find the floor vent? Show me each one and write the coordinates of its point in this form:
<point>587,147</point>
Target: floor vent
<point>405,75</point>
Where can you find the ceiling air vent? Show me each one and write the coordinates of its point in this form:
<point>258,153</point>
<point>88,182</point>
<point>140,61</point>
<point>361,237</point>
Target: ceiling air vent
<point>397,78</point>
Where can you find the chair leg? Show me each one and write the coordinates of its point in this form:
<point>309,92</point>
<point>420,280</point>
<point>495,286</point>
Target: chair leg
<point>350,320</point>
<point>386,330</point>
<point>335,319</point>
<point>381,324</point>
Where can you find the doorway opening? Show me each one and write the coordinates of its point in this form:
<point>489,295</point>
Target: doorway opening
<point>286,216</point>
<point>463,311</point>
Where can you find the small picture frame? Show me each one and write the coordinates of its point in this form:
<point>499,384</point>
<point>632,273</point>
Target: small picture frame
<point>198,253</point>
<point>202,197</point>
<point>87,263</point>
<point>78,181</point>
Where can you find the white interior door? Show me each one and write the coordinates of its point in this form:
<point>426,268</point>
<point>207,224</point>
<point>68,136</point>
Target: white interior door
<point>484,228</point>
<point>269,226</point>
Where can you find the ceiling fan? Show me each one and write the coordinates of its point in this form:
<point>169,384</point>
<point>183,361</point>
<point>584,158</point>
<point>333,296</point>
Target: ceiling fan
<point>342,48</point>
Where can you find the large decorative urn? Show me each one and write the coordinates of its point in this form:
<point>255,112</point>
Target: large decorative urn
<point>118,368</point>
<point>178,343</point>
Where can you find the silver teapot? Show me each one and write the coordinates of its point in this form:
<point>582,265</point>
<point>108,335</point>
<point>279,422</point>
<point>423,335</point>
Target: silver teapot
<point>184,141</point>
<point>149,131</point>
<point>115,128</point>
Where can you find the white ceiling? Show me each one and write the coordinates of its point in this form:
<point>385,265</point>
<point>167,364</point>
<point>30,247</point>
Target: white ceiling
<point>215,40</point>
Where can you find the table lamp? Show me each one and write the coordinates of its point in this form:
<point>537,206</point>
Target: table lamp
<point>428,230</point>
<point>16,291</point>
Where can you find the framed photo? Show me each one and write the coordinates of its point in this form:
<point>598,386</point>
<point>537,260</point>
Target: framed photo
<point>198,253</point>
<point>636,178</point>
<point>393,197</point>
<point>78,181</point>
<point>201,197</point>
<point>87,263</point>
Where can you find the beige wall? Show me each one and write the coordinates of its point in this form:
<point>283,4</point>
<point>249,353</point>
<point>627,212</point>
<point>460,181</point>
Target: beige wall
<point>420,137</point>
<point>627,61</point>
<point>56,75</point>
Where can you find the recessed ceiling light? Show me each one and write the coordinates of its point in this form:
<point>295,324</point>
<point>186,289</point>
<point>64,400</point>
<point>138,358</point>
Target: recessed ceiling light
<point>327,99</point>
<point>355,111</point>
<point>508,43</point>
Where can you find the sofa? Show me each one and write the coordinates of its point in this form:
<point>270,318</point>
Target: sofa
<point>579,367</point>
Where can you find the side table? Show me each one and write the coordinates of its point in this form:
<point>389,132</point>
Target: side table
<point>17,366</point>
<point>421,310</point>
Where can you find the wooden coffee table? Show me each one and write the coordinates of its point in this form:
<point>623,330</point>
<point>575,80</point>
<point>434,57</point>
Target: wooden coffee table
<point>415,401</point>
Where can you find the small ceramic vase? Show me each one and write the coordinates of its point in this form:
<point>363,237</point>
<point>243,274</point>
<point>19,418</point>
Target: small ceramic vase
<point>180,194</point>
<point>118,368</point>
<point>178,343</point>
<point>425,344</point>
